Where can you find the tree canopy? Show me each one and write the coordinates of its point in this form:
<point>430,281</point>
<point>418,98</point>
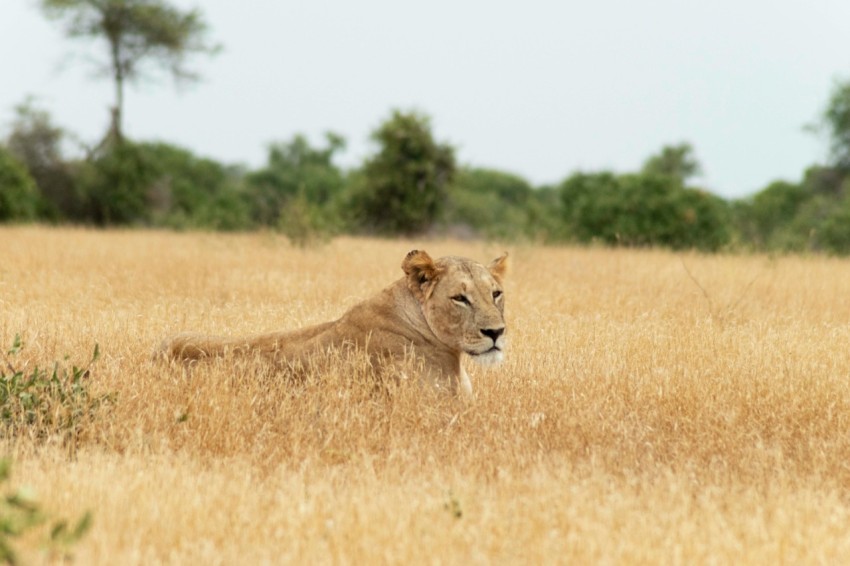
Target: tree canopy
<point>677,161</point>
<point>836,120</point>
<point>140,34</point>
<point>405,185</point>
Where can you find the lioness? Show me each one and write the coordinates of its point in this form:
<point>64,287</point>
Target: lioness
<point>436,312</point>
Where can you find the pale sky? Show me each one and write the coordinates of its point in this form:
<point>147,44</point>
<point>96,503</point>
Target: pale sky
<point>538,88</point>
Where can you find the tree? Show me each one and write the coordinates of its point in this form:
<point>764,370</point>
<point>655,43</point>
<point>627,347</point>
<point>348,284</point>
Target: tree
<point>139,33</point>
<point>404,186</point>
<point>293,170</point>
<point>836,120</point>
<point>37,143</point>
<point>581,193</point>
<point>676,161</point>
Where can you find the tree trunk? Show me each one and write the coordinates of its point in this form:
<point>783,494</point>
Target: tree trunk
<point>116,128</point>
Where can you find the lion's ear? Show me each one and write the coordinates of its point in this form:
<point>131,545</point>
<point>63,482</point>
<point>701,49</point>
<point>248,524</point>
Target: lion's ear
<point>421,273</point>
<point>499,267</point>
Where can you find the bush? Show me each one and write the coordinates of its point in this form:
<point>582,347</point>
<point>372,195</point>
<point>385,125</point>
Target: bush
<point>190,191</point>
<point>116,185</point>
<point>491,203</point>
<point>43,404</point>
<point>18,193</point>
<point>766,218</point>
<point>834,233</point>
<point>295,170</point>
<point>404,186</point>
<point>37,143</point>
<point>228,209</point>
<point>643,210</point>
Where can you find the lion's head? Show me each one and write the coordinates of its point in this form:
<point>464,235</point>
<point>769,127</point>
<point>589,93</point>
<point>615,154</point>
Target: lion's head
<point>462,302</point>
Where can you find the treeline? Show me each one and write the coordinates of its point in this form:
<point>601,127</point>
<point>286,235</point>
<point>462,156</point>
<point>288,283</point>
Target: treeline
<point>410,185</point>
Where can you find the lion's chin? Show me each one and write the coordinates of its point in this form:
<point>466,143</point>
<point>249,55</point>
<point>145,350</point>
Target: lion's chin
<point>489,358</point>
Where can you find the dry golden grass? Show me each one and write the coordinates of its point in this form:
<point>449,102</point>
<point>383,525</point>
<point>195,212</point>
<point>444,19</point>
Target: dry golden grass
<point>654,408</point>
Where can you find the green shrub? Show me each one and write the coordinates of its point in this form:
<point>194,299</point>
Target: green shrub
<point>37,143</point>
<point>492,203</point>
<point>643,210</point>
<point>187,191</point>
<point>41,404</point>
<point>18,193</point>
<point>116,185</point>
<point>834,233</point>
<point>295,169</point>
<point>765,219</point>
<point>20,514</point>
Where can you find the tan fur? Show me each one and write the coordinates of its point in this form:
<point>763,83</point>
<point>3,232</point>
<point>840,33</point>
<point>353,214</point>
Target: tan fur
<point>438,311</point>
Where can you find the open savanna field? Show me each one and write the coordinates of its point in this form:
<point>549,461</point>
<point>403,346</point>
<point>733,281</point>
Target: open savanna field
<point>654,407</point>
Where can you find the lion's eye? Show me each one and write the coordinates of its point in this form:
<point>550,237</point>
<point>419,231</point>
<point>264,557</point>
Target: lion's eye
<point>496,294</point>
<point>461,299</point>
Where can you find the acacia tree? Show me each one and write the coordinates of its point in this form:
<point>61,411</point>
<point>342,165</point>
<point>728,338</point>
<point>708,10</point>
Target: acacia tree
<point>139,34</point>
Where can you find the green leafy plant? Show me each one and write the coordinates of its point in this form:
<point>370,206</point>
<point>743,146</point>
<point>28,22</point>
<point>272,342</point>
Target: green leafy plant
<point>20,514</point>
<point>41,404</point>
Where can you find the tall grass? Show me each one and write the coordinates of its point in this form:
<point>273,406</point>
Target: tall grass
<point>653,407</point>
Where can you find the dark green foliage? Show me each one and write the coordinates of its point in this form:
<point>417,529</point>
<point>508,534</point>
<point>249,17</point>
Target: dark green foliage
<point>789,217</point>
<point>19,196</point>
<point>189,191</point>
<point>40,404</point>
<point>834,233</point>
<point>492,203</point>
<point>675,161</point>
<point>826,181</point>
<point>20,514</point>
<point>643,210</point>
<point>705,221</point>
<point>183,182</point>
<point>295,169</point>
<point>228,209</point>
<point>500,205</point>
<point>583,204</point>
<point>116,185</point>
<point>765,220</point>
<point>836,120</point>
<point>36,143</point>
<point>404,187</point>
<point>507,188</point>
<point>163,185</point>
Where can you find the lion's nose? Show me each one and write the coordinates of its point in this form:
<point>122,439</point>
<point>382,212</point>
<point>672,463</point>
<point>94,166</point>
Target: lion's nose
<point>493,333</point>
